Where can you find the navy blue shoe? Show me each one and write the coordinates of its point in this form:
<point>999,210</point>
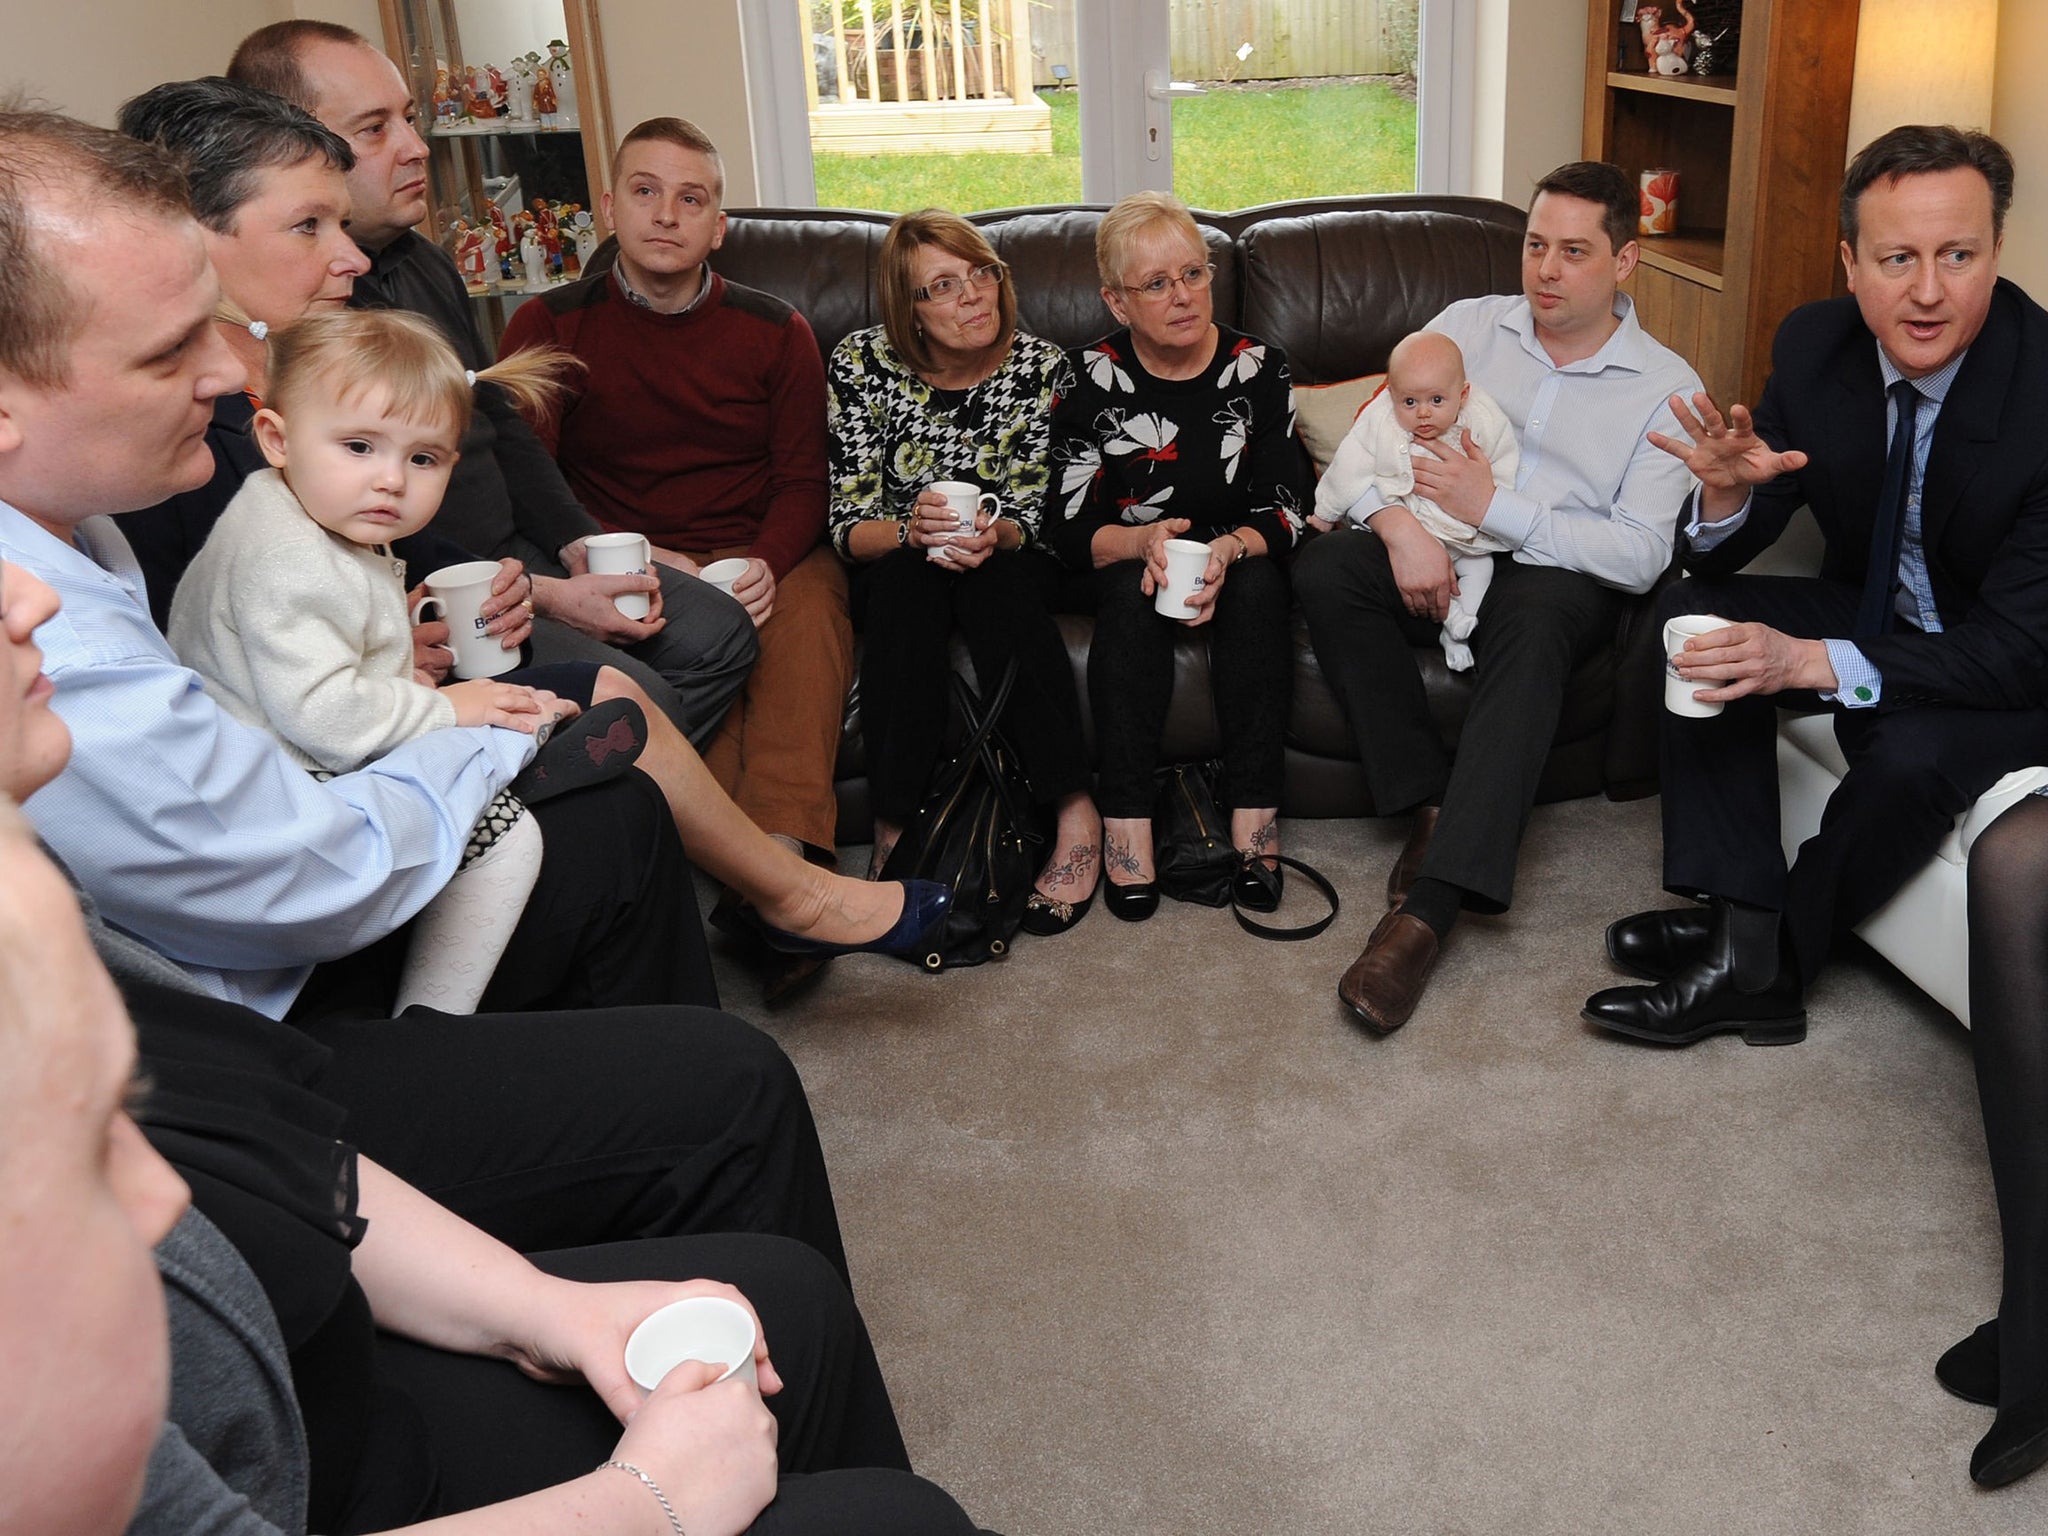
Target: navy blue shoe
<point>925,904</point>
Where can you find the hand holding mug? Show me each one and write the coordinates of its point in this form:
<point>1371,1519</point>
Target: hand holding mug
<point>1154,552</point>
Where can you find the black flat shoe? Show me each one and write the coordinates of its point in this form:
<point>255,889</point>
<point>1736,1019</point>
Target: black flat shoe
<point>1048,915</point>
<point>1131,903</point>
<point>1969,1368</point>
<point>1256,887</point>
<point>1658,945</point>
<point>2017,1444</point>
<point>599,744</point>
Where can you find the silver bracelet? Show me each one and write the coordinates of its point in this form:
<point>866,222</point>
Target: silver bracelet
<point>652,1487</point>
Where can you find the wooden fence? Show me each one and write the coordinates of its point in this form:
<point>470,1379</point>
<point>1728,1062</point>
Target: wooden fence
<point>1290,39</point>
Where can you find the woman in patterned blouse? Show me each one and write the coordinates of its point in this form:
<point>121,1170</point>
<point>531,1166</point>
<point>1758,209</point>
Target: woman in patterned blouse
<point>1175,428</point>
<point>946,388</point>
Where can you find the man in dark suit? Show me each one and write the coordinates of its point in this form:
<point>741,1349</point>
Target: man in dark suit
<point>1909,417</point>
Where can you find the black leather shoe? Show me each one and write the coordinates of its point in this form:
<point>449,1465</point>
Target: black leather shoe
<point>1705,999</point>
<point>2017,1444</point>
<point>1969,1368</point>
<point>1658,945</point>
<point>1132,903</point>
<point>1256,887</point>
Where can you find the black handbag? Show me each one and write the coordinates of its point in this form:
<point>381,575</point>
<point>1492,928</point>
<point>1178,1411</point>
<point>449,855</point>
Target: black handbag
<point>1191,837</point>
<point>1196,861</point>
<point>976,834</point>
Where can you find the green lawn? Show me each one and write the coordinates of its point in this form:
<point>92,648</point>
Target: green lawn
<point>1231,149</point>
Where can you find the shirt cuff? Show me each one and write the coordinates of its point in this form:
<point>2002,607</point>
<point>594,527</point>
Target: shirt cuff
<point>1859,685</point>
<point>1369,501</point>
<point>1702,536</point>
<point>1510,517</point>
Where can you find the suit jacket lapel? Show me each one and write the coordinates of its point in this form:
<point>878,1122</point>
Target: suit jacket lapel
<point>1970,418</point>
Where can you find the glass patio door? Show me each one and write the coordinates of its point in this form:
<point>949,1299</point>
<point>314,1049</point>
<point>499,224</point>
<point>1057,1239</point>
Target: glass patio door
<point>978,104</point>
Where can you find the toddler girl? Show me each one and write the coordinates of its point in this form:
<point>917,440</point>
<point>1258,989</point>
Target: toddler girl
<point>294,612</point>
<point>1426,405</point>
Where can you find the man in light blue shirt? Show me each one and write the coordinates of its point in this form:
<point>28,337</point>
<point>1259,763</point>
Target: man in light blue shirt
<point>1590,518</point>
<point>195,833</point>
<point>1907,417</point>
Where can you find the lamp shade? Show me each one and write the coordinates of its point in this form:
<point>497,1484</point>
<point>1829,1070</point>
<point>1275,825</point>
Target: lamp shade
<point>1922,61</point>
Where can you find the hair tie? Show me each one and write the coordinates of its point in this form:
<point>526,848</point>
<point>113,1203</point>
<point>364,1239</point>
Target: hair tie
<point>470,375</point>
<point>259,329</point>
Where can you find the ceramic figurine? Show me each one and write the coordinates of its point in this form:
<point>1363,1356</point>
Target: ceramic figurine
<point>535,260</point>
<point>472,256</point>
<point>503,247</point>
<point>586,239</point>
<point>446,107</point>
<point>564,75</point>
<point>544,99</point>
<point>519,91</point>
<point>1665,47</point>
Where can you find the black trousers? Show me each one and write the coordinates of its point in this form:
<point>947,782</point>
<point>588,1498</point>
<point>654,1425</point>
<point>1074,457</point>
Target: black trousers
<point>1911,773</point>
<point>906,607</point>
<point>612,921</point>
<point>494,1434</point>
<point>2009,1033</point>
<point>693,668</point>
<point>1537,624</point>
<point>1130,684</point>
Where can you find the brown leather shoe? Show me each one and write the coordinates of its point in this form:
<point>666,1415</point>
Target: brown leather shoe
<point>1409,865</point>
<point>1385,982</point>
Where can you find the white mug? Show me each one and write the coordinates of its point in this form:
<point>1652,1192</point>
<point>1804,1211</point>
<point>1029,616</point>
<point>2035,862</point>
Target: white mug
<point>622,554</point>
<point>723,573</point>
<point>1678,691</point>
<point>459,591</point>
<point>1187,562</point>
<point>707,1328</point>
<point>966,502</point>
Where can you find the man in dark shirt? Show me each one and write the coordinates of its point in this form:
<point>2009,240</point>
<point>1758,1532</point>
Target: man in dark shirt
<point>506,498</point>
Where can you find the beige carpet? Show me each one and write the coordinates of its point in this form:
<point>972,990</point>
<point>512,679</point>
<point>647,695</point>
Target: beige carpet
<point>1151,1239</point>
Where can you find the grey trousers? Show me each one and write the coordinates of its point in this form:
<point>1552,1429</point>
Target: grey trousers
<point>693,669</point>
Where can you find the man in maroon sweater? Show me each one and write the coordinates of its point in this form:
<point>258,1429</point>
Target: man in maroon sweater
<point>701,423</point>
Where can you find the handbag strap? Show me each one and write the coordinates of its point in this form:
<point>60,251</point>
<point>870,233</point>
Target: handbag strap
<point>979,722</point>
<point>1306,930</point>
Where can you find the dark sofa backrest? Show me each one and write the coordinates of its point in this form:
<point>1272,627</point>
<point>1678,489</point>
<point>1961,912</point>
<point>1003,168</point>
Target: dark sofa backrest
<point>1335,281</point>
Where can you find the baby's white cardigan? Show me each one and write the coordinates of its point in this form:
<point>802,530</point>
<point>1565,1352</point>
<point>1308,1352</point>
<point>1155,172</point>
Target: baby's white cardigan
<point>1377,452</point>
<point>300,633</point>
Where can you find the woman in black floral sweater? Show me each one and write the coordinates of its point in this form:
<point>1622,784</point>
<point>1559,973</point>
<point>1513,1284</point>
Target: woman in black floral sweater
<point>1177,427</point>
<point>946,388</point>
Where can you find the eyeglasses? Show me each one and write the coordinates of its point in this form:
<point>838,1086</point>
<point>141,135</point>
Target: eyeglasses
<point>940,289</point>
<point>1193,278</point>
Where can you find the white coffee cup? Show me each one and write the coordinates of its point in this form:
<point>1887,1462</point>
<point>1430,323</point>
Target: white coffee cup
<point>965,502</point>
<point>723,573</point>
<point>622,554</point>
<point>1186,563</point>
<point>1678,691</point>
<point>459,592</point>
<point>707,1328</point>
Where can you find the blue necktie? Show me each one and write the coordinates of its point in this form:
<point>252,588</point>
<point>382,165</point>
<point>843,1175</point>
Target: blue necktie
<point>1875,611</point>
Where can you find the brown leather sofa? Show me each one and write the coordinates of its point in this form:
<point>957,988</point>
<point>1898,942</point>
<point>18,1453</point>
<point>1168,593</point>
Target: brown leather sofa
<point>1335,282</point>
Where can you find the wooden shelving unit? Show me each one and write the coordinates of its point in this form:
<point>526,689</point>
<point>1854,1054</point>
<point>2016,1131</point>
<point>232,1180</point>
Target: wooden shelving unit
<point>1759,155</point>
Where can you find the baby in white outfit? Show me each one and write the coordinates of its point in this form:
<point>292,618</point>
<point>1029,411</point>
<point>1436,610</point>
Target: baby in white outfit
<point>1426,407</point>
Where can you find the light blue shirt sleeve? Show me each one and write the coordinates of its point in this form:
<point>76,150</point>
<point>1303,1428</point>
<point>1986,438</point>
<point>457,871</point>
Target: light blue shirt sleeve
<point>1703,536</point>
<point>1859,685</point>
<point>1369,501</point>
<point>197,835</point>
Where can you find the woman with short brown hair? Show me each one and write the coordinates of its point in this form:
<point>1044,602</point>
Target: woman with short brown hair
<point>948,389</point>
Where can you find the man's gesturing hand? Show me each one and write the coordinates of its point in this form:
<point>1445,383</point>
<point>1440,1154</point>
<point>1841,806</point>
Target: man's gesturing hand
<point>1724,454</point>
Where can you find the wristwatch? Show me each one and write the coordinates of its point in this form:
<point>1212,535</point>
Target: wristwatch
<point>1243,549</point>
<point>902,532</point>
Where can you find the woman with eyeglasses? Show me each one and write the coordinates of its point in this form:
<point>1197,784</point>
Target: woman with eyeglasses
<point>947,388</point>
<point>1178,428</point>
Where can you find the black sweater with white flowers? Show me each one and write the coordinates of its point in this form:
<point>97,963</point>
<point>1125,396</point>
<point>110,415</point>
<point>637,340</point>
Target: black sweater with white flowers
<point>1217,449</point>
